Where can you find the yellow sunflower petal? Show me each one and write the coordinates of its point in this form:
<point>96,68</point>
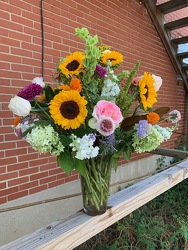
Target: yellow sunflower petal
<point>147,90</point>
<point>68,109</point>
<point>72,64</point>
<point>114,57</point>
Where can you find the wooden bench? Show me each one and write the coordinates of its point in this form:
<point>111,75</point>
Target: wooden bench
<point>72,231</point>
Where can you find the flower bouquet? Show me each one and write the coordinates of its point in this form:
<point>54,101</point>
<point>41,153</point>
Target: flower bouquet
<point>90,116</point>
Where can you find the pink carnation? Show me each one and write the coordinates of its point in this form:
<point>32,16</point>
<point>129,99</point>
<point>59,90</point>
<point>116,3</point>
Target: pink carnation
<point>105,126</point>
<point>175,116</point>
<point>108,109</point>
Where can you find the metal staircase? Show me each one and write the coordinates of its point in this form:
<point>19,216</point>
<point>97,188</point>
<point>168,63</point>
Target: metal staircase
<point>175,43</point>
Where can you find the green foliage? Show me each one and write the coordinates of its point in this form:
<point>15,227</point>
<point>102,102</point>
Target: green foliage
<point>49,94</point>
<point>66,161</point>
<point>161,162</point>
<point>180,144</point>
<point>92,53</point>
<point>125,100</point>
<point>161,224</point>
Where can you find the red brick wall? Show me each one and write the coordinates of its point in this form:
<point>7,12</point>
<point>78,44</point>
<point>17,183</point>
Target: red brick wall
<point>125,25</point>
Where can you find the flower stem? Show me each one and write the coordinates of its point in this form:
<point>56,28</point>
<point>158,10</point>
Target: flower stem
<point>37,104</point>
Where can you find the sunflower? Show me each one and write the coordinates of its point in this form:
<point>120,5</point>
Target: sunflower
<point>114,57</point>
<point>68,109</point>
<point>72,64</point>
<point>147,90</point>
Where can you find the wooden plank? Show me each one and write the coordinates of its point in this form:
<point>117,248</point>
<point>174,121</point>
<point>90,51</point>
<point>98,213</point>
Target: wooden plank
<point>158,21</point>
<point>171,152</point>
<point>185,66</point>
<point>180,40</point>
<point>180,23</point>
<point>172,5</point>
<point>182,55</point>
<point>68,233</point>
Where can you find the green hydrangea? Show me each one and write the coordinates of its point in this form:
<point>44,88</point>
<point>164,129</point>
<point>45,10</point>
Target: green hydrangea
<point>148,143</point>
<point>45,140</point>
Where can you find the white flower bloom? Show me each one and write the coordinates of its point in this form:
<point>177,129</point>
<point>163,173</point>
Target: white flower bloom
<point>19,106</point>
<point>165,132</point>
<point>39,81</point>
<point>84,146</point>
<point>110,89</point>
<point>105,51</point>
<point>21,128</point>
<point>157,82</point>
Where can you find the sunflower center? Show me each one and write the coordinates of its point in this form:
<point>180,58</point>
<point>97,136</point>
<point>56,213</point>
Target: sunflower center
<point>73,65</point>
<point>111,59</point>
<point>69,109</point>
<point>146,94</point>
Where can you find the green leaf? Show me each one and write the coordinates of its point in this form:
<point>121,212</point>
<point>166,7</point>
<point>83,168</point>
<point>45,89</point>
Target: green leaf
<point>38,110</point>
<point>129,122</point>
<point>115,159</point>
<point>42,122</point>
<point>114,162</point>
<point>42,104</point>
<point>65,140</point>
<point>56,91</point>
<point>162,111</point>
<point>82,33</point>
<point>80,132</point>
<point>66,162</point>
<point>27,131</point>
<point>113,247</point>
<point>49,93</point>
<point>127,153</point>
<point>80,166</point>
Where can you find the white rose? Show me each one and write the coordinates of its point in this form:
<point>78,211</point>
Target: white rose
<point>19,106</point>
<point>106,51</point>
<point>157,82</point>
<point>39,81</point>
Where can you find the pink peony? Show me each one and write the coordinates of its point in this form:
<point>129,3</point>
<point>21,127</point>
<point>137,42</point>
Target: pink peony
<point>108,109</point>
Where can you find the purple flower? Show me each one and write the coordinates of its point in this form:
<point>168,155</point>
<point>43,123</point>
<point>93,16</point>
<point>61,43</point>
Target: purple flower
<point>175,116</point>
<point>111,141</point>
<point>91,136</point>
<point>30,91</point>
<point>142,128</point>
<point>100,70</point>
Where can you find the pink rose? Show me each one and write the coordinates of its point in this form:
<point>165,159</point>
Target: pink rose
<point>108,109</point>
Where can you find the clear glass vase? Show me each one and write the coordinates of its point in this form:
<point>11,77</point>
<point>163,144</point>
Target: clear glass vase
<point>95,185</point>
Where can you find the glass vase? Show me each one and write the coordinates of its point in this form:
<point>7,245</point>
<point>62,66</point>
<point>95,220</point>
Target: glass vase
<point>95,185</point>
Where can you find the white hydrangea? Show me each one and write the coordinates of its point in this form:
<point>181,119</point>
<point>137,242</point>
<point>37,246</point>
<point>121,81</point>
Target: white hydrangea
<point>45,140</point>
<point>84,146</point>
<point>165,132</point>
<point>110,89</point>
